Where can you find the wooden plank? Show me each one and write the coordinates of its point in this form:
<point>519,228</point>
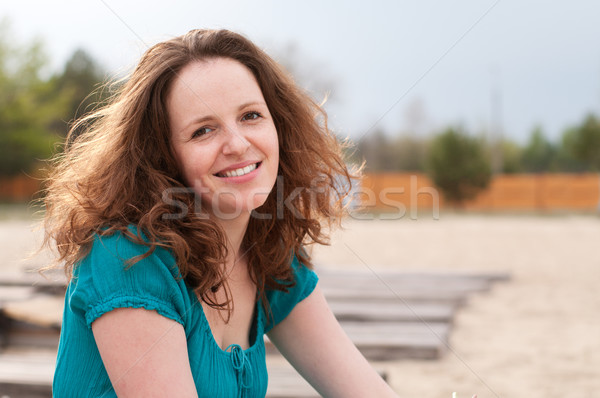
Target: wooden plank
<point>23,335</point>
<point>407,284</point>
<point>400,287</point>
<point>27,367</point>
<point>20,390</point>
<point>391,311</point>
<point>390,341</point>
<point>374,332</point>
<point>34,322</point>
<point>15,293</point>
<point>386,274</point>
<point>52,284</point>
<point>42,310</point>
<point>381,341</point>
<point>375,294</point>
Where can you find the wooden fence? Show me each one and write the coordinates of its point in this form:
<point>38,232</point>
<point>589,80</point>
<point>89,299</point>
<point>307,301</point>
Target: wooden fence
<point>414,191</point>
<point>19,189</point>
<point>411,191</point>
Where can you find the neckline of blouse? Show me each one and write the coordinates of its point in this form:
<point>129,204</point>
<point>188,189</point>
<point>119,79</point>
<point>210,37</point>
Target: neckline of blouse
<point>257,320</point>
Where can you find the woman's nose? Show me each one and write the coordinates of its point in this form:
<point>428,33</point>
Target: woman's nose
<point>235,142</point>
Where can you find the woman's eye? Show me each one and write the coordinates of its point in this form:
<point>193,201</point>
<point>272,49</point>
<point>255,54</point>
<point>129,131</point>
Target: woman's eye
<point>201,131</point>
<point>251,116</point>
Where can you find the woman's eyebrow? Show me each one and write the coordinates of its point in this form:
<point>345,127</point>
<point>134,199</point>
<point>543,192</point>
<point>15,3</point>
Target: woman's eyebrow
<point>251,103</point>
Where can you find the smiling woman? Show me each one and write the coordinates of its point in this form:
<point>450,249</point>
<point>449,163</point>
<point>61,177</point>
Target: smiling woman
<point>167,304</point>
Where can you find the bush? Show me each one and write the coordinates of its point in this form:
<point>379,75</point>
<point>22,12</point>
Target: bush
<point>458,165</point>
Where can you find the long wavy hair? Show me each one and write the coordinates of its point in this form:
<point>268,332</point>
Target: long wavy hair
<point>118,163</point>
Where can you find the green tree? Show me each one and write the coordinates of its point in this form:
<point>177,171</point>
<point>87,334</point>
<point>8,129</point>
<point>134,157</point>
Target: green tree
<point>458,165</point>
<point>511,157</point>
<point>583,142</point>
<point>566,159</point>
<point>80,82</point>
<point>27,106</point>
<point>539,155</point>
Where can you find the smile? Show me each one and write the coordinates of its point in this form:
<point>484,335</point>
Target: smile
<point>239,172</point>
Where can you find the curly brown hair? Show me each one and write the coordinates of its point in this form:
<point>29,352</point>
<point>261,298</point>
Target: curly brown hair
<point>118,163</point>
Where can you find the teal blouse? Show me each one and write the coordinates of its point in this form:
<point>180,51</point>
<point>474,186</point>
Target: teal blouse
<point>101,283</point>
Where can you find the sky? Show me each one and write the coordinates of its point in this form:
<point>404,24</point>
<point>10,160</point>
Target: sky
<point>402,67</point>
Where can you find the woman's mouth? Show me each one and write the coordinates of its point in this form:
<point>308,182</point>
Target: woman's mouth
<point>239,172</point>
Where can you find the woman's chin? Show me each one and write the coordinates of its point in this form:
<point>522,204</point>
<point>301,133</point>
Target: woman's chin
<point>227,211</point>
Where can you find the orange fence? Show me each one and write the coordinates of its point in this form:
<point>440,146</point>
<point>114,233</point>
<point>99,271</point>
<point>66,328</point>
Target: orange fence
<point>391,191</point>
<point>19,189</point>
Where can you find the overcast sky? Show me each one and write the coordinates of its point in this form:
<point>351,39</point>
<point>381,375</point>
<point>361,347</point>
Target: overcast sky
<point>395,65</point>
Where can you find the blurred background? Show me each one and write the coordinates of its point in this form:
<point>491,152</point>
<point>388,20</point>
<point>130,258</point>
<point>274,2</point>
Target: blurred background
<point>479,126</point>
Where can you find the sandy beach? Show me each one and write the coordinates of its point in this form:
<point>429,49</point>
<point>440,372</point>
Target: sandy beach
<point>536,335</point>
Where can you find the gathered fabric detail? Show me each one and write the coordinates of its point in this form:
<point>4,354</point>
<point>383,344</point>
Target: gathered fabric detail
<point>242,367</point>
<point>131,301</point>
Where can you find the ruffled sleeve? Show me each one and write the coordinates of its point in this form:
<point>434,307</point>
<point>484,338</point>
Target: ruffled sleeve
<point>103,281</point>
<point>282,303</point>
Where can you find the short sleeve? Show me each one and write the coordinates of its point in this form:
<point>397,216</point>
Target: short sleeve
<point>282,303</point>
<point>104,280</point>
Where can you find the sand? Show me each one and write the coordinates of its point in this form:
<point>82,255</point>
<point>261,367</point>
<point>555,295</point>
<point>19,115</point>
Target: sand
<point>537,335</point>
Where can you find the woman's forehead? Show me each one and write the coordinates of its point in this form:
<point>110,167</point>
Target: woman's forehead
<point>215,76</point>
<point>210,87</point>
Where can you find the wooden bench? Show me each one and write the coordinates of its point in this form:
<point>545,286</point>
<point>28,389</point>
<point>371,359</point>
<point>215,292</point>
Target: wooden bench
<point>388,316</point>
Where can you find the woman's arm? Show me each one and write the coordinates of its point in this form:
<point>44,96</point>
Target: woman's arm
<point>144,353</point>
<point>314,343</point>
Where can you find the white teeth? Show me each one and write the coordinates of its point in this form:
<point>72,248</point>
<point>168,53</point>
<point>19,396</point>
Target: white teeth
<point>239,172</point>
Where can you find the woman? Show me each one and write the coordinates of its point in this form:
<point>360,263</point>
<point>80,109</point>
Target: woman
<point>181,212</point>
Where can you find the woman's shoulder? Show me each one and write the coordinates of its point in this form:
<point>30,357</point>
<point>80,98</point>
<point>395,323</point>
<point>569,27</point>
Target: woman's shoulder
<point>113,252</point>
<point>121,270</point>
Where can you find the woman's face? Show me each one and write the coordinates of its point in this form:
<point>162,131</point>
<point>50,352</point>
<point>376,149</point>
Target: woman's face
<point>223,136</point>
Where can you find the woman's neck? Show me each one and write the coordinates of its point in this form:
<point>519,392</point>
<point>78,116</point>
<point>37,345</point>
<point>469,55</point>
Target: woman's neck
<point>235,230</point>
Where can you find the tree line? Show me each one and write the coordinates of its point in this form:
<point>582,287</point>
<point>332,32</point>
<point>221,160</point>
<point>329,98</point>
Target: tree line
<point>36,104</point>
<point>577,150</point>
<point>461,163</point>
